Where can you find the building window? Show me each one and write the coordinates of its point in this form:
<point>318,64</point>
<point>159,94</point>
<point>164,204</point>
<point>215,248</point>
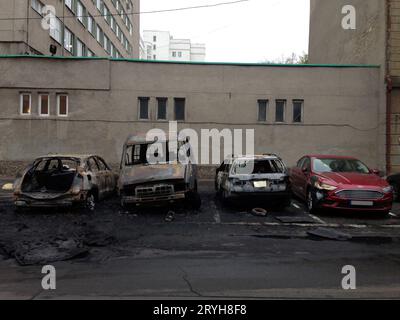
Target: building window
<point>44,105</point>
<point>154,47</point>
<point>68,40</point>
<point>90,24</point>
<point>154,38</point>
<point>25,104</point>
<point>69,4</point>
<point>56,29</point>
<point>280,110</point>
<point>262,110</point>
<point>174,54</point>
<point>154,57</point>
<point>80,12</point>
<point>180,54</point>
<point>162,108</point>
<point>298,111</point>
<point>180,109</point>
<point>99,34</point>
<point>80,48</point>
<point>99,3</point>
<point>89,53</point>
<point>144,108</point>
<point>37,6</point>
<point>62,105</point>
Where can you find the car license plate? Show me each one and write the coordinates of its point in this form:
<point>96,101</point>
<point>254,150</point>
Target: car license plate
<point>362,203</point>
<point>260,184</point>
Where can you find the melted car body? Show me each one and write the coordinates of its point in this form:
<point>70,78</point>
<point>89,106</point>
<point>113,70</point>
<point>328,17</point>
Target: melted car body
<point>63,181</point>
<point>261,176</point>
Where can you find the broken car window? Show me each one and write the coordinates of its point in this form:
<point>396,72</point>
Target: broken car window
<point>259,166</point>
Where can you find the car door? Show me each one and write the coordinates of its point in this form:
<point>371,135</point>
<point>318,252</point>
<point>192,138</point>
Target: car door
<point>108,175</point>
<point>304,177</point>
<point>296,176</point>
<point>94,176</point>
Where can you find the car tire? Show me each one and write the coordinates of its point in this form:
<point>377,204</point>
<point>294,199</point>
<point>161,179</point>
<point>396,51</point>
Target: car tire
<point>395,187</point>
<point>90,202</point>
<point>310,201</point>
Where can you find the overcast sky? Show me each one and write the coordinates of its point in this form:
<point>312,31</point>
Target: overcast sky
<point>253,31</point>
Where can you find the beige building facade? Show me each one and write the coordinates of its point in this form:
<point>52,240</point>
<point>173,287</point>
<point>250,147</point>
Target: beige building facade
<point>103,28</point>
<point>97,103</point>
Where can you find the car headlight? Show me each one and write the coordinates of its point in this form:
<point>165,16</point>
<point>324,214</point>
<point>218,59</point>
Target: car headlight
<point>387,189</point>
<point>324,186</point>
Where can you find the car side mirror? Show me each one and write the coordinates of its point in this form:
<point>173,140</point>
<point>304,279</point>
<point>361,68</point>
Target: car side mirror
<point>305,170</point>
<point>376,171</point>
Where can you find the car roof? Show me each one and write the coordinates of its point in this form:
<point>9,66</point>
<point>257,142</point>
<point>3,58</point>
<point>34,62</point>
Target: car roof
<point>255,157</point>
<point>73,156</point>
<point>144,138</point>
<point>328,156</point>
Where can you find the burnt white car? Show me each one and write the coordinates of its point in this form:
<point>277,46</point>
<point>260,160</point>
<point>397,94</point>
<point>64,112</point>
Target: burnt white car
<point>162,183</point>
<point>261,177</point>
<point>64,181</point>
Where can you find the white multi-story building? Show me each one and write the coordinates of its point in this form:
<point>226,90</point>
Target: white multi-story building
<point>160,45</point>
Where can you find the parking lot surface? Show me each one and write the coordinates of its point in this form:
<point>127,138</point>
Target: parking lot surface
<point>216,252</point>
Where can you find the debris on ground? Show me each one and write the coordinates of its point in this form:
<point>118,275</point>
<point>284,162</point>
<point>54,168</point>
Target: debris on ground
<point>170,216</point>
<point>45,251</point>
<point>295,219</point>
<point>259,212</point>
<point>98,239</point>
<point>329,234</point>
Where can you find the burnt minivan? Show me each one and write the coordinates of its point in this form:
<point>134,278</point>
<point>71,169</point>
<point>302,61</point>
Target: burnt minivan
<point>159,182</point>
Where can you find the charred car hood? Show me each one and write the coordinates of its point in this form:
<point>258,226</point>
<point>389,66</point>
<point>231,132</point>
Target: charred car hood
<point>143,174</point>
<point>352,178</point>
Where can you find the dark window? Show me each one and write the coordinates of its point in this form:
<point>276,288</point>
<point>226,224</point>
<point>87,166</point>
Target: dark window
<point>102,164</point>
<point>93,165</point>
<point>162,108</point>
<point>297,111</point>
<point>144,108</point>
<point>180,109</point>
<point>280,111</point>
<point>262,110</point>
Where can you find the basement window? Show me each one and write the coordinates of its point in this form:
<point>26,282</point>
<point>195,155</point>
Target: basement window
<point>280,111</point>
<point>44,105</point>
<point>62,105</point>
<point>298,111</point>
<point>25,104</point>
<point>144,108</point>
<point>262,110</point>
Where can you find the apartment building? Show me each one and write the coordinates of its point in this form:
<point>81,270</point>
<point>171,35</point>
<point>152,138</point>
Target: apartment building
<point>103,28</point>
<point>160,45</point>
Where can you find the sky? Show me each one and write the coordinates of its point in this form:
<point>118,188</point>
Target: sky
<point>252,31</point>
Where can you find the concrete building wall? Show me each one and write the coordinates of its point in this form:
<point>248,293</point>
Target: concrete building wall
<point>340,106</point>
<point>26,35</point>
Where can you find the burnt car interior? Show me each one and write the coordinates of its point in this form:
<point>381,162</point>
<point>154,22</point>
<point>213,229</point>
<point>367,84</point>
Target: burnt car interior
<point>264,166</point>
<point>50,175</point>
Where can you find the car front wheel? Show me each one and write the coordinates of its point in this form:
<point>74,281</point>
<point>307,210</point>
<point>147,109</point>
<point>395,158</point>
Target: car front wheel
<point>311,201</point>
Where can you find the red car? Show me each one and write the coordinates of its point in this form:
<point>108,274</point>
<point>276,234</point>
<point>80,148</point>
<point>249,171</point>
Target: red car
<point>336,182</point>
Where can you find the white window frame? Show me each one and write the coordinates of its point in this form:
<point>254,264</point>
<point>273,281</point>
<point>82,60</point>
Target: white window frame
<point>71,40</point>
<point>58,105</point>
<point>69,4</point>
<point>56,33</point>
<point>40,105</point>
<point>80,12</point>
<point>21,104</point>
<point>80,44</point>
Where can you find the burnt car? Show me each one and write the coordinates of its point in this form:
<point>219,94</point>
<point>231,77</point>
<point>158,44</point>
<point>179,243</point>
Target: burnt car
<point>340,183</point>
<point>162,182</point>
<point>260,177</point>
<point>64,181</point>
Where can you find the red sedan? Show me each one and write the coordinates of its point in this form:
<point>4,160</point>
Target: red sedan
<point>336,182</point>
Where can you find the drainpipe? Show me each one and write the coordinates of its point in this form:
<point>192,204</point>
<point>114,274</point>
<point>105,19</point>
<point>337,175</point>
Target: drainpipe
<point>389,87</point>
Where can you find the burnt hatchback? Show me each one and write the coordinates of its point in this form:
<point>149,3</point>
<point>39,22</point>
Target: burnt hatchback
<point>64,181</point>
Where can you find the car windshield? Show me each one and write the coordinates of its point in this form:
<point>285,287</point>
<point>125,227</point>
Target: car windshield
<point>138,153</point>
<point>339,165</point>
<point>258,166</point>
